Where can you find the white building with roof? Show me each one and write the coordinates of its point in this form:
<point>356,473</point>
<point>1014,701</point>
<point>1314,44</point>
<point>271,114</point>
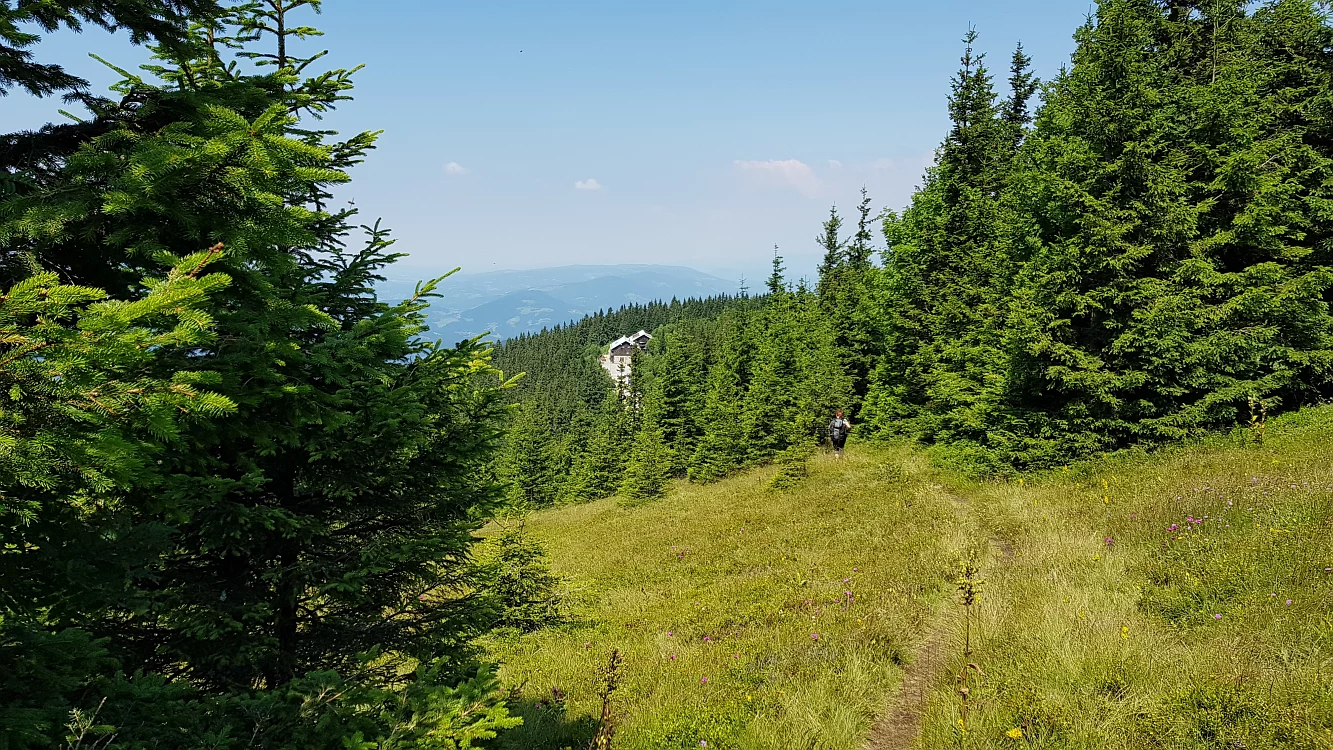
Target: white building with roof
<point>617,358</point>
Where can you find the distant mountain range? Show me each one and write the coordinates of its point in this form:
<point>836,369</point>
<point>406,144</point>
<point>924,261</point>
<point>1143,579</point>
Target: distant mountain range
<point>508,303</point>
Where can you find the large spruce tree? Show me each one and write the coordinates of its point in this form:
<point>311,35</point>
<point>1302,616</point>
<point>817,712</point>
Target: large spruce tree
<point>323,525</point>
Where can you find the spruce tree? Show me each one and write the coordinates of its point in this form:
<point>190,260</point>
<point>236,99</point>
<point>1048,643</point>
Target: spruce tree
<point>835,250</point>
<point>163,21</point>
<point>776,283</point>
<point>598,470</point>
<point>648,472</point>
<point>1023,86</point>
<point>349,432</point>
<point>944,289</point>
<point>526,463</point>
<point>721,447</point>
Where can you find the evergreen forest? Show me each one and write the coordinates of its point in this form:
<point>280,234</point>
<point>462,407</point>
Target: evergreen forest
<point>1133,254</point>
<point>244,502</point>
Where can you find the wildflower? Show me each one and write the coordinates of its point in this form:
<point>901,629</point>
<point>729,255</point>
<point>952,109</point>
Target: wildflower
<point>1110,541</point>
<point>845,580</point>
<point>587,645</point>
<point>815,636</point>
<point>673,657</point>
<point>1014,734</point>
<point>670,633</point>
<point>1217,617</point>
<point>703,681</point>
<point>855,569</point>
<point>1124,632</point>
<point>735,656</point>
<point>703,743</point>
<point>962,727</point>
<point>708,639</point>
<point>1288,602</point>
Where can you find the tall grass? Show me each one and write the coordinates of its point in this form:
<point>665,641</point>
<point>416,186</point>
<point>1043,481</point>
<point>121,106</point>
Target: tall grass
<point>747,617</point>
<point>1179,601</point>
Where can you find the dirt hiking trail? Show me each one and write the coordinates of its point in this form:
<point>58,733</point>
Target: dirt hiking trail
<point>900,725</point>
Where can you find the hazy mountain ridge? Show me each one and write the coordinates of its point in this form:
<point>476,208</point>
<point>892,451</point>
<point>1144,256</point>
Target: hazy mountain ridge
<point>509,303</point>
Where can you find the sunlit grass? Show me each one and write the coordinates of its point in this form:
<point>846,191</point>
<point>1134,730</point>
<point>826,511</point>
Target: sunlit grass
<point>1181,601</point>
<point>747,618</point>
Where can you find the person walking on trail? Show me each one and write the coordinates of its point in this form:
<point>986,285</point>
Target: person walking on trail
<point>837,432</point>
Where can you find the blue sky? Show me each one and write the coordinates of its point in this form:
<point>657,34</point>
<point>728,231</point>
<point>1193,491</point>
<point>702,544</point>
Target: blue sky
<point>529,134</point>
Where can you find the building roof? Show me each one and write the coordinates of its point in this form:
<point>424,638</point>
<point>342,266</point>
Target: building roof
<point>633,338</point>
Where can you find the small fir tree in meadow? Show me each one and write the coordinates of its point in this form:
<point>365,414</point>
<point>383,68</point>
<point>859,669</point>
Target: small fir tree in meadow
<point>649,470</point>
<point>598,469</point>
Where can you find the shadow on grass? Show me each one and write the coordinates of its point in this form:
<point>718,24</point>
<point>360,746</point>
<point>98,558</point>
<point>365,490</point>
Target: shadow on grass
<point>546,727</point>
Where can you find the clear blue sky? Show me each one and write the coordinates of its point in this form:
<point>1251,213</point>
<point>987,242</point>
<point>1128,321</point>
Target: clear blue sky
<point>708,131</point>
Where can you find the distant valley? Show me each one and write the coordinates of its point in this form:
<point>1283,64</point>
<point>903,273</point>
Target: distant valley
<point>509,303</point>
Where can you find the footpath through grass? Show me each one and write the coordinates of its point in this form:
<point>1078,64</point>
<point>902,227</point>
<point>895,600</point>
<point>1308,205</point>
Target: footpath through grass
<point>1180,601</point>
<point>746,617</point>
<point>1183,600</point>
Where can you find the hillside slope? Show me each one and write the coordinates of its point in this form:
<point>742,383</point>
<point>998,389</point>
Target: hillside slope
<point>1183,600</point>
<point>510,303</point>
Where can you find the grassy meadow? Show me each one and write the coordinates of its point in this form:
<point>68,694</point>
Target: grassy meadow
<point>1182,600</point>
<point>746,617</point>
<point>1179,601</point>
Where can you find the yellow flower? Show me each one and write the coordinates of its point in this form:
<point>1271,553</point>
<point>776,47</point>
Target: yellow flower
<point>962,727</point>
<point>1124,632</point>
<point>1106,498</point>
<point>1020,481</point>
<point>1014,734</point>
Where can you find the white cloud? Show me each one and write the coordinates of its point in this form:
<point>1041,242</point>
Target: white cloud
<point>588,184</point>
<point>788,172</point>
<point>454,167</point>
<point>834,163</point>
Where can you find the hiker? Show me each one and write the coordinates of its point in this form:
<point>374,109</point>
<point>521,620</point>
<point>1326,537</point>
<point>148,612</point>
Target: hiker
<point>837,432</point>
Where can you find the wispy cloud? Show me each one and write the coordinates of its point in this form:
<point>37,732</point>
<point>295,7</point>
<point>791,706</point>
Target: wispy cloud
<point>834,163</point>
<point>588,184</point>
<point>787,172</point>
<point>454,167</point>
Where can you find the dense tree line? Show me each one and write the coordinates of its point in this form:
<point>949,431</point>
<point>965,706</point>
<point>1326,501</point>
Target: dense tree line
<point>1135,252</point>
<point>725,383</point>
<point>1138,265</point>
<point>237,492</point>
